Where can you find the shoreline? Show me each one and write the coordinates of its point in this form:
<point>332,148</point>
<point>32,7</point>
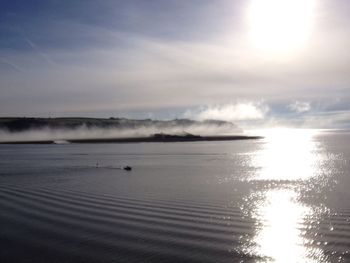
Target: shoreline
<point>171,138</point>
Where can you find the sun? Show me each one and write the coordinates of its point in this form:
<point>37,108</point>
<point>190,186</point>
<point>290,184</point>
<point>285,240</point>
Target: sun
<point>280,25</point>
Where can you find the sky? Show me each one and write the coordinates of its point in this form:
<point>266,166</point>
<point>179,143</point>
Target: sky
<point>253,62</point>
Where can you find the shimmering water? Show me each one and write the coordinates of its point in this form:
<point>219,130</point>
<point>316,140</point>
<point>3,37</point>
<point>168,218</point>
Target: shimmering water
<point>282,199</point>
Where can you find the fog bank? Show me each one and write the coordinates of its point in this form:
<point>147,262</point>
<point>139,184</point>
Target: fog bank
<point>205,128</point>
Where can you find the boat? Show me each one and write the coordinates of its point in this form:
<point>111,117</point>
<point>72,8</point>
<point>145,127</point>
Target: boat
<point>127,168</point>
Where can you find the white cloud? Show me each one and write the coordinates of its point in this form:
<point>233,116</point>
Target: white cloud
<point>242,111</point>
<point>139,73</point>
<point>300,106</point>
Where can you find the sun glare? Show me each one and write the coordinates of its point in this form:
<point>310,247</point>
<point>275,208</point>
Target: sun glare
<point>287,155</point>
<point>280,25</point>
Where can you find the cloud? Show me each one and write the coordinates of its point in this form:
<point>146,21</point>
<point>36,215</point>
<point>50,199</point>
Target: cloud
<point>335,119</point>
<point>300,106</point>
<point>12,65</point>
<point>39,52</point>
<point>241,111</point>
<point>128,65</point>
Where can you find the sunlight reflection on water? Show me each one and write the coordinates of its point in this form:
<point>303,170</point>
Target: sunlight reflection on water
<point>287,155</point>
<point>280,237</point>
<point>287,158</point>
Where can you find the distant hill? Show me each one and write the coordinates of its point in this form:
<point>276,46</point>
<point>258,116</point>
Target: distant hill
<point>29,124</point>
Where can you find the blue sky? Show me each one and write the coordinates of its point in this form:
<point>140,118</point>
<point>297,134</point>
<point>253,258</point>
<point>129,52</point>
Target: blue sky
<point>167,59</point>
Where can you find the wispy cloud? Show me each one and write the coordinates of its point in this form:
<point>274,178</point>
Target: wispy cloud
<point>121,59</point>
<point>300,106</point>
<point>241,111</point>
<point>42,54</point>
<point>11,64</point>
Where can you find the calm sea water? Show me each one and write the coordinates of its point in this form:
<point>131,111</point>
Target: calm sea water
<point>285,198</point>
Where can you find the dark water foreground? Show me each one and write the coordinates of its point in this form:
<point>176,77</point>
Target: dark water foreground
<point>271,200</point>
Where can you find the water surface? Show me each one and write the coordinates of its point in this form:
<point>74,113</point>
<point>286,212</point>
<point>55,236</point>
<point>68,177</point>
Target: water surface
<point>281,199</point>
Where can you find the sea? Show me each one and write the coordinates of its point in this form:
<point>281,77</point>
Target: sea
<point>283,198</point>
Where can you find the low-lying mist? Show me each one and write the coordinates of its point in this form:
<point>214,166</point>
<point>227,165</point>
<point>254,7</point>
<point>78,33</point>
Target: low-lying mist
<point>206,128</point>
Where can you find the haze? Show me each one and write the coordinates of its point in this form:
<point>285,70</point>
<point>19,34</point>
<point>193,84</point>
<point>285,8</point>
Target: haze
<point>280,63</point>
